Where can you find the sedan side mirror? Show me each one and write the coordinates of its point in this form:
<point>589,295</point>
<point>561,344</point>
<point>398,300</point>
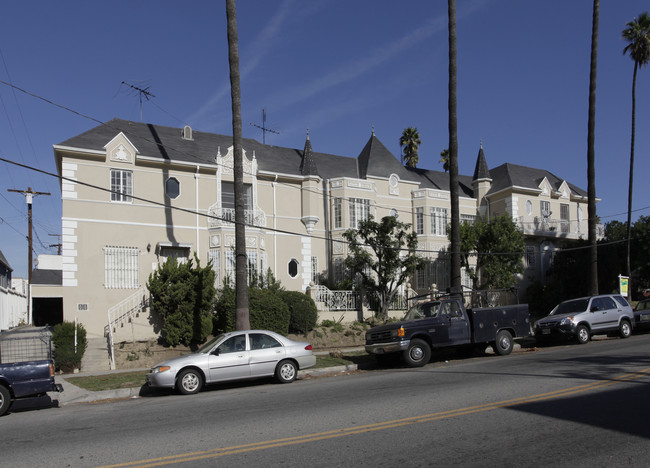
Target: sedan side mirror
<point>216,351</point>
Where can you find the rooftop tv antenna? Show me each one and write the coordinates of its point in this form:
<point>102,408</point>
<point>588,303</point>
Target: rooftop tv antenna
<point>263,127</point>
<point>141,92</point>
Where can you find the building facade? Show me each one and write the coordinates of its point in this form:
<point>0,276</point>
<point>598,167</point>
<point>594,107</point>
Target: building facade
<point>134,194</point>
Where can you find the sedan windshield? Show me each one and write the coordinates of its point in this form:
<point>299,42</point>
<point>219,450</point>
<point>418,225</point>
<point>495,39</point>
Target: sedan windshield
<point>208,346</point>
<point>569,307</point>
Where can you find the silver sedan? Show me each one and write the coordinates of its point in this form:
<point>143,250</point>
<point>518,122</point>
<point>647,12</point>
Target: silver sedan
<point>239,355</point>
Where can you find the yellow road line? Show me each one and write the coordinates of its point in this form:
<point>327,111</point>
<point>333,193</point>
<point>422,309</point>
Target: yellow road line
<point>187,457</point>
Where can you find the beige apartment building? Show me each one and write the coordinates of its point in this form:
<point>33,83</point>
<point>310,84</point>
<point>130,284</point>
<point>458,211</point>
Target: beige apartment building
<point>134,194</point>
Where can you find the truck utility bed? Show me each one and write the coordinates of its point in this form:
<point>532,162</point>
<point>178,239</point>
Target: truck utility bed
<point>486,320</point>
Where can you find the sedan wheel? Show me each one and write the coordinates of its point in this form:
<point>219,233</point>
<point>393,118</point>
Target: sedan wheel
<point>189,382</point>
<point>286,372</point>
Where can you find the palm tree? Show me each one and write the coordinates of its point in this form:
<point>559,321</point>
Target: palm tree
<point>591,155</point>
<point>409,142</point>
<point>637,34</point>
<point>242,320</point>
<point>453,152</point>
<point>444,159</point>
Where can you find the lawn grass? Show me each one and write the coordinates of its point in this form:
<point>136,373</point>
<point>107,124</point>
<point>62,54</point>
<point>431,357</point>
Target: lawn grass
<point>115,380</point>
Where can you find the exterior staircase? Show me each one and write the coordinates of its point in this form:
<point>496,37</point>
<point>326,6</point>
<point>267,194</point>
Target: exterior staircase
<point>96,358</point>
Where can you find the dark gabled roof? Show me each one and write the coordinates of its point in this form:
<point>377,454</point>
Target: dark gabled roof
<point>51,277</point>
<point>440,181</point>
<point>513,175</point>
<point>481,170</point>
<point>3,261</point>
<point>376,160</point>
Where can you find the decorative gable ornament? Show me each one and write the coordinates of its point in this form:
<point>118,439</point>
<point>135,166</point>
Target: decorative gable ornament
<point>120,149</point>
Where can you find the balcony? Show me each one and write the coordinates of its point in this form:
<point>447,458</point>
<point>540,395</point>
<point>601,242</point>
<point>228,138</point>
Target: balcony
<point>550,227</point>
<point>226,216</point>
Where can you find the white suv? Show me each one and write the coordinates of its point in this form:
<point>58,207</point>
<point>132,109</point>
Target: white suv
<point>587,316</point>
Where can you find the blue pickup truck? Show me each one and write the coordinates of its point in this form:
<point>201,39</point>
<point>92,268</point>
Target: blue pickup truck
<point>26,365</point>
<point>446,323</point>
<point>25,380</point>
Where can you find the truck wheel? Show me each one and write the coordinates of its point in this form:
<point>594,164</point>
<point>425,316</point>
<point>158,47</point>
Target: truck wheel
<point>417,354</point>
<point>5,399</point>
<point>582,334</point>
<point>503,344</point>
<point>625,329</point>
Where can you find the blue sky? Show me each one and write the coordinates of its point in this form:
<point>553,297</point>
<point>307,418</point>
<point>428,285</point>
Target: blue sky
<point>336,67</point>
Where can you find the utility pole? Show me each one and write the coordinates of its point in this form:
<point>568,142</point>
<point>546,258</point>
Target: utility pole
<point>29,195</point>
<point>59,245</point>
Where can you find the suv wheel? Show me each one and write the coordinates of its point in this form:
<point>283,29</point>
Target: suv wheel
<point>625,329</point>
<point>582,334</point>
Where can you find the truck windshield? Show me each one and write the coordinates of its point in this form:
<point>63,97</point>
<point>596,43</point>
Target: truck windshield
<point>569,307</point>
<point>427,309</point>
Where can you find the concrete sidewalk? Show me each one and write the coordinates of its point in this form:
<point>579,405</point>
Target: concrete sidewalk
<point>73,394</point>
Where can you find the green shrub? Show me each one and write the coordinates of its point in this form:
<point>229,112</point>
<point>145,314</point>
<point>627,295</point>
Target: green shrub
<point>182,295</point>
<point>65,357</point>
<point>266,308</point>
<point>302,308</point>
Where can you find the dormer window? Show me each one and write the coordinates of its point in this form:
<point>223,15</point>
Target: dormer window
<point>187,133</point>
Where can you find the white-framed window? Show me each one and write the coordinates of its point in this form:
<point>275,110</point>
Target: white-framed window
<point>251,266</point>
<point>228,196</point>
<point>181,254</point>
<point>467,219</point>
<point>214,256</point>
<point>465,278</point>
<point>419,220</point>
<point>230,267</point>
<point>121,185</point>
<point>565,220</point>
<point>359,211</point>
<point>264,266</point>
<point>545,208</point>
<point>121,267</point>
<point>339,269</point>
<point>338,214</point>
<point>530,256</point>
<point>314,269</point>
<point>439,221</point>
<point>172,187</point>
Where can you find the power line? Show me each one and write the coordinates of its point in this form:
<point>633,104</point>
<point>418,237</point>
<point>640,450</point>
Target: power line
<point>409,212</point>
<point>282,231</point>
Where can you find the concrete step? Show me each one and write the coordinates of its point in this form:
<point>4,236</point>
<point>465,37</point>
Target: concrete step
<point>96,358</point>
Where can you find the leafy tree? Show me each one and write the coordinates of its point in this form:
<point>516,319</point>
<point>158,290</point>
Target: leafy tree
<point>637,34</point>
<point>410,142</point>
<point>499,247</point>
<point>591,155</point>
<point>453,152</point>
<point>182,295</point>
<point>444,159</point>
<point>241,276</point>
<point>382,254</point>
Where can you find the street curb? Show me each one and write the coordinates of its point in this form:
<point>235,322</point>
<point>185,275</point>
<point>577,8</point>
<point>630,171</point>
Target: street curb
<point>72,394</point>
